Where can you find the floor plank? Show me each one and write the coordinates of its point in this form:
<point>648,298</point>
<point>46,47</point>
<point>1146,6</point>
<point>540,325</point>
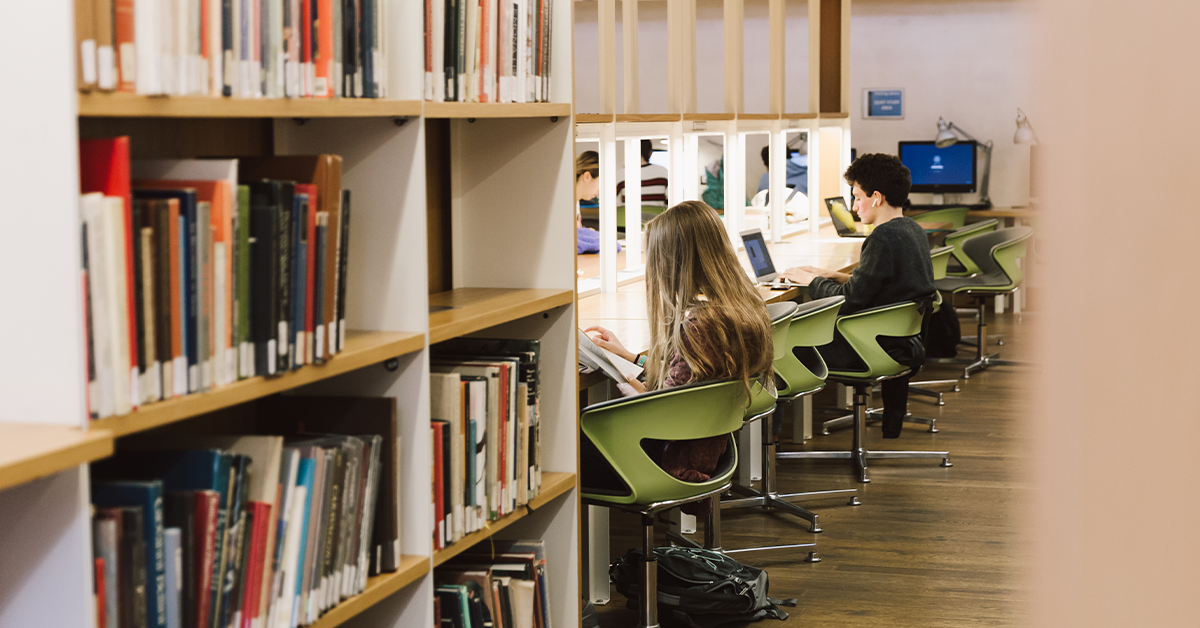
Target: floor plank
<point>930,546</point>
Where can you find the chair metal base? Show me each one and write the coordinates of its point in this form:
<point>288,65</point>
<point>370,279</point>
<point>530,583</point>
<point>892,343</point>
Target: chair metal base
<point>873,416</point>
<point>858,454</point>
<point>768,498</point>
<point>922,388</point>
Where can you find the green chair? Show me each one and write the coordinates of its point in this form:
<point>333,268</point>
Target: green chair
<point>995,254</point>
<point>964,266</point>
<point>617,428</point>
<point>940,258</point>
<point>862,330</point>
<point>956,216</point>
<point>789,322</point>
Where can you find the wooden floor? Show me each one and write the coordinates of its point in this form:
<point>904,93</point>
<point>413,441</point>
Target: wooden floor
<point>929,546</point>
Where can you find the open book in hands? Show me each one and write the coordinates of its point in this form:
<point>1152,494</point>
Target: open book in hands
<point>597,359</point>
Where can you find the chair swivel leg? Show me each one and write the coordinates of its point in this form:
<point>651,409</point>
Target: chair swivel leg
<point>648,605</point>
<point>769,498</point>
<point>921,388</point>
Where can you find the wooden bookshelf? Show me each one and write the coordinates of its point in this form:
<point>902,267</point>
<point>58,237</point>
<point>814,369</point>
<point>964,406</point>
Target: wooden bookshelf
<point>758,116</point>
<point>362,349</point>
<point>649,117</point>
<point>834,115</point>
<point>800,116</point>
<point>412,568</point>
<point>29,451</point>
<point>473,309</point>
<point>705,117</point>
<point>119,105</point>
<point>496,110</point>
<point>553,485</point>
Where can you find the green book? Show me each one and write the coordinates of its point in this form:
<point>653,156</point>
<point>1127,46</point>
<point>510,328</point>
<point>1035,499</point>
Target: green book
<point>241,295</point>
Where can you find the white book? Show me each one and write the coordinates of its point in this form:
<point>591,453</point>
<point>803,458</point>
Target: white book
<point>446,405</point>
<point>478,396</point>
<point>284,612</point>
<point>215,62</point>
<point>101,392</point>
<point>151,377</point>
<point>597,359</point>
<point>493,50</point>
<point>173,550</point>
<point>168,32</point>
<point>124,376</point>
<point>289,469</point>
<point>438,12</point>
<point>146,35</point>
<point>275,64</point>
<point>233,57</point>
<point>181,46</point>
<point>472,47</point>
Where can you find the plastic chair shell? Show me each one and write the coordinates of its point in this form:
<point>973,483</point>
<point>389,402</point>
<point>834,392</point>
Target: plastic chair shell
<point>863,329</point>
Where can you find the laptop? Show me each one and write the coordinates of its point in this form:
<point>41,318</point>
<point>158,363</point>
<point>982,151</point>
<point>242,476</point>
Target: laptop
<point>843,219</point>
<point>760,259</point>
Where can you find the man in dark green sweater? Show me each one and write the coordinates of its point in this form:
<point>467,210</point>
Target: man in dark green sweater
<point>894,267</point>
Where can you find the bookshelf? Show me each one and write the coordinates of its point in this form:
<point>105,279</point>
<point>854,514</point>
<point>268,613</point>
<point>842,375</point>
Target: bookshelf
<point>506,181</point>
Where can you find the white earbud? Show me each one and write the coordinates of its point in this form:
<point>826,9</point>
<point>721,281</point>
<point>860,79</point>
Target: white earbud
<point>875,203</point>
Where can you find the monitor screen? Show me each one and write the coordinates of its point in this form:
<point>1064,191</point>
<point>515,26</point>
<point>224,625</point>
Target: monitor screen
<point>940,170</point>
<point>660,158</point>
<point>756,250</point>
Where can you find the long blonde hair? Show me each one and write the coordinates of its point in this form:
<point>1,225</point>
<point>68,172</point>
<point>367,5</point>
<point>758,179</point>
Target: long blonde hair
<point>693,277</point>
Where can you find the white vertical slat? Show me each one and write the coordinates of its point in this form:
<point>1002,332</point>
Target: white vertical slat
<point>633,203</point>
<point>814,175</point>
<point>814,62</point>
<point>776,10</point>
<point>735,182</point>
<point>691,167</point>
<point>735,96</point>
<point>608,206</point>
<point>678,169</point>
<point>777,180</point>
<point>629,40</point>
<point>607,23</point>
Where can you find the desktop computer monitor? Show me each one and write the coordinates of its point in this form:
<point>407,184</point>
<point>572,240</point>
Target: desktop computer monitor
<point>660,158</point>
<point>940,170</point>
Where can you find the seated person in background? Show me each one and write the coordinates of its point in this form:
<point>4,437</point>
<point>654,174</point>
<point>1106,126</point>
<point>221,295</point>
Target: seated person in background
<point>654,180</point>
<point>587,186</point>
<point>894,267</point>
<point>797,172</point>
<point>707,322</point>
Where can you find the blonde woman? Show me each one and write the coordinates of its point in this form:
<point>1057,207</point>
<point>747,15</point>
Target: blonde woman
<point>707,322</point>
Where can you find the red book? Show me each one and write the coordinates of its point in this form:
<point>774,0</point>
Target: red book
<point>438,487</point>
<point>310,273</point>
<point>505,454</point>
<point>306,44</point>
<point>99,593</point>
<point>252,589</point>
<point>124,46</point>
<point>206,547</point>
<point>176,259</point>
<point>104,168</point>
<point>323,56</point>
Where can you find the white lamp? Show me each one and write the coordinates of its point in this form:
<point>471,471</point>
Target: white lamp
<point>946,136</point>
<point>1025,133</point>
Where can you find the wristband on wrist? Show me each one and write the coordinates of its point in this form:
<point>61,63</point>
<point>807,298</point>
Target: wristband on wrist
<point>640,360</point>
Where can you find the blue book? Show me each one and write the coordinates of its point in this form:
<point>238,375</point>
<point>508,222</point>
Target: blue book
<point>191,277</point>
<point>174,553</point>
<point>182,470</point>
<point>149,497</point>
<point>303,478</point>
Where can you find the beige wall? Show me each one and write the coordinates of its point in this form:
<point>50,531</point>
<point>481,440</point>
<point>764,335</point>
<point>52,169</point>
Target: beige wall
<point>1116,515</point>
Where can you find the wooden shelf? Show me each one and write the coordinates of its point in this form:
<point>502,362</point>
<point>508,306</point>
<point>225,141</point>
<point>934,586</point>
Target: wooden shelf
<point>706,117</point>
<point>29,451</point>
<point>649,117</point>
<point>799,116</point>
<point>363,348</point>
<point>758,116</point>
<point>131,105</point>
<point>554,484</point>
<point>412,568</point>
<point>473,309</point>
<point>593,118</point>
<point>496,110</point>
<point>834,115</point>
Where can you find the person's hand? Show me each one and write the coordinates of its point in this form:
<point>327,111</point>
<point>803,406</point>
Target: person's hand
<point>632,387</point>
<point>606,339</point>
<point>800,275</point>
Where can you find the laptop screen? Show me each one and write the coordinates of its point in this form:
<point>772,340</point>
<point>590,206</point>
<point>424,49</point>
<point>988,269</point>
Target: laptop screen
<point>756,250</point>
<point>843,220</point>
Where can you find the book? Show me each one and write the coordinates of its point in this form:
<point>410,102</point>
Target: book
<point>85,46</point>
<point>146,496</point>
<point>106,546</point>
<point>173,550</point>
<point>132,597</point>
<point>179,512</point>
<point>595,358</point>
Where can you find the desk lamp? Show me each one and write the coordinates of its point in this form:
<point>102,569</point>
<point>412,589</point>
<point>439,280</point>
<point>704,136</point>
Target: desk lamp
<point>1025,133</point>
<point>946,137</point>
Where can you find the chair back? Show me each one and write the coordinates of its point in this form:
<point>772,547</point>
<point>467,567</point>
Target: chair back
<point>940,257</point>
<point>862,331</point>
<point>799,368</point>
<point>957,238</point>
<point>763,399</point>
<point>618,427</point>
<point>956,216</point>
<point>996,255</point>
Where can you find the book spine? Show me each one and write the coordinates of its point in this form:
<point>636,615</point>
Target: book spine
<point>89,330</point>
<point>319,288</point>
<point>283,281</point>
<point>204,294</point>
<point>343,257</point>
<point>243,303</point>
<point>162,290</point>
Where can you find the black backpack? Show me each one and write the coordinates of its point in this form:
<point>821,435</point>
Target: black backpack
<point>942,331</point>
<point>700,588</point>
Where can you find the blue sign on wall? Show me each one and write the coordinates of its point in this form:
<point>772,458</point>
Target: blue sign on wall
<point>884,103</point>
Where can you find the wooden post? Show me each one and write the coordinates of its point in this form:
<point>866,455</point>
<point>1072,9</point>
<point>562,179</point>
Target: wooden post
<point>831,65</point>
<point>735,95</point>
<point>777,13</point>
<point>607,22</point>
<point>629,26</point>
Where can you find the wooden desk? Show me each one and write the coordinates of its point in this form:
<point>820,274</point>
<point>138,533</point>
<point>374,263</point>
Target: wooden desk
<point>1018,213</point>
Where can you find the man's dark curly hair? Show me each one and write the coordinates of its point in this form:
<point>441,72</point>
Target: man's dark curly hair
<point>884,173</point>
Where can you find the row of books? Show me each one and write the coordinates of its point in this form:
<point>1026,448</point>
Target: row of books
<point>200,272</point>
<point>486,423</point>
<point>505,588</point>
<point>240,48</point>
<point>488,50</point>
<point>249,531</point>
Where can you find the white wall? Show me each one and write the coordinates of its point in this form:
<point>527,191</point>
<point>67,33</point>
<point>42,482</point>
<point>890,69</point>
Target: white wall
<point>710,56</point>
<point>966,60</point>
